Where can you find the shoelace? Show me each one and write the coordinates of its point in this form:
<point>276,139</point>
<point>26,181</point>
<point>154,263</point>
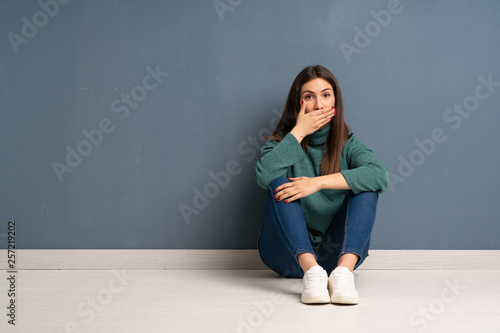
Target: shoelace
<point>315,279</point>
<point>343,279</point>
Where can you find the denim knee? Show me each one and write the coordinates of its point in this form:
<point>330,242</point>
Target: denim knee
<point>277,182</point>
<point>368,197</point>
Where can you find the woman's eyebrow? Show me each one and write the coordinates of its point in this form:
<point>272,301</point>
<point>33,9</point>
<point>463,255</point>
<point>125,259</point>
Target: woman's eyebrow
<point>312,92</point>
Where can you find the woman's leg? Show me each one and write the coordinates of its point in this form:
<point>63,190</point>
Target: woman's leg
<point>348,239</point>
<point>346,245</point>
<point>283,236</point>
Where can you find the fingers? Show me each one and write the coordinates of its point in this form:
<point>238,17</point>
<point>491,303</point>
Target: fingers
<point>329,114</point>
<point>302,107</point>
<point>324,122</point>
<point>329,111</point>
<point>323,116</point>
<point>296,189</point>
<point>286,194</point>
<point>285,191</point>
<point>282,187</point>
<point>334,112</point>
<point>292,198</point>
<point>324,112</point>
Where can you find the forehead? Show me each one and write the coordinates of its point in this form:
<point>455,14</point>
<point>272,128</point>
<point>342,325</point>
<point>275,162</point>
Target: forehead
<point>316,85</point>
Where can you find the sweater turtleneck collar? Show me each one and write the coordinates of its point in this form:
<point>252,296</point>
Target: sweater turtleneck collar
<point>318,137</point>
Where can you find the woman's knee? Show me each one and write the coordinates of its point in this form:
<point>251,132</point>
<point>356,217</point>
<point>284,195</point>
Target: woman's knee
<point>281,265</point>
<point>367,197</point>
<point>277,182</point>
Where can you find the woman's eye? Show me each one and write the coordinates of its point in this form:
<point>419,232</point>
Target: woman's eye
<point>308,97</point>
<point>326,95</point>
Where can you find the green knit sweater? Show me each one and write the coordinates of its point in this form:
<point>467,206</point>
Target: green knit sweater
<point>286,158</point>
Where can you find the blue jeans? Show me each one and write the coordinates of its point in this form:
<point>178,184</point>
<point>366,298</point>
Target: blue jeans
<point>284,233</point>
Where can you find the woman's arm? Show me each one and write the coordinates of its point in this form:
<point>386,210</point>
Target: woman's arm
<point>335,181</point>
<point>364,173</point>
<point>278,156</point>
<point>301,187</point>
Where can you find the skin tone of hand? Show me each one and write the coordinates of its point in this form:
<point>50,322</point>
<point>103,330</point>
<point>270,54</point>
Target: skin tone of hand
<point>300,187</point>
<point>316,111</point>
<point>309,122</point>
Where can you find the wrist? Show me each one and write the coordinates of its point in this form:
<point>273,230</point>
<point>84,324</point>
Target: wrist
<point>333,181</point>
<point>297,134</point>
<point>320,182</point>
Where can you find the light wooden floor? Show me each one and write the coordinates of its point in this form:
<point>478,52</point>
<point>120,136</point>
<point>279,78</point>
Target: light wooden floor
<point>392,301</point>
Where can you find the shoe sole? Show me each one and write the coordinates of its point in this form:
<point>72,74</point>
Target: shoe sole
<point>315,299</point>
<point>345,300</point>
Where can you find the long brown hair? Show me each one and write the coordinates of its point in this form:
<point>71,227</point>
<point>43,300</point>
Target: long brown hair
<point>339,131</point>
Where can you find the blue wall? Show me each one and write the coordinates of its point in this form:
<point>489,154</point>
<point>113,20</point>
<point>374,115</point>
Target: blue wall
<point>128,124</point>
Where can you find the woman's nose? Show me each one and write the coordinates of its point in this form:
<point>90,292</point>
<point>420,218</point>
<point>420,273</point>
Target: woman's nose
<point>318,105</point>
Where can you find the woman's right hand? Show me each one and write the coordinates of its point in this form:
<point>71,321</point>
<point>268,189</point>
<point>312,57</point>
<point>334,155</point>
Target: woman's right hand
<point>308,123</point>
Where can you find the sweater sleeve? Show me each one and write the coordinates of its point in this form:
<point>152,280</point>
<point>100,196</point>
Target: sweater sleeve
<point>276,158</point>
<point>365,172</point>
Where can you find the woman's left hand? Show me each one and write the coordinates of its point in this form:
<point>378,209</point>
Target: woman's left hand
<point>298,188</point>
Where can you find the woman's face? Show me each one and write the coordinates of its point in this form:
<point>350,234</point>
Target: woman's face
<point>317,94</point>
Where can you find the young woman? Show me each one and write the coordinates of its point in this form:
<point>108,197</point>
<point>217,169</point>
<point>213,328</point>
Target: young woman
<point>322,191</point>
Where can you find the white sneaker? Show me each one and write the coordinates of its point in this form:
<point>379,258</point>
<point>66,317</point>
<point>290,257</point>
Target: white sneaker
<point>315,286</point>
<point>341,286</point>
